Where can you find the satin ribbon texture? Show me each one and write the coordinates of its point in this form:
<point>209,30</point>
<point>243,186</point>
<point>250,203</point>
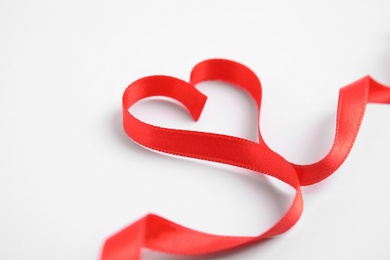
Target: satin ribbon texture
<point>155,232</point>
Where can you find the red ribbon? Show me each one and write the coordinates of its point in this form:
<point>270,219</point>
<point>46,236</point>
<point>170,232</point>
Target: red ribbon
<point>160,234</point>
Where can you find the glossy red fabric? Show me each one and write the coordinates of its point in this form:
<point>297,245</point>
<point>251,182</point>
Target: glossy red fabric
<point>159,234</point>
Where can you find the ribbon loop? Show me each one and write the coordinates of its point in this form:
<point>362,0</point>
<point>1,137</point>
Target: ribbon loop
<point>157,233</point>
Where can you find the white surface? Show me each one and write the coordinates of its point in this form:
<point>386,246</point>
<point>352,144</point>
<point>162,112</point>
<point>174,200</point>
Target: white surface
<point>69,176</point>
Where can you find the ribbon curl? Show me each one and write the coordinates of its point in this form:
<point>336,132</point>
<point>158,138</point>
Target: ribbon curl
<point>157,233</point>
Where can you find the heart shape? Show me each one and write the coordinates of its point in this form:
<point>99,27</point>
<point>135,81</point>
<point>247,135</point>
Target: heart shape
<point>159,234</point>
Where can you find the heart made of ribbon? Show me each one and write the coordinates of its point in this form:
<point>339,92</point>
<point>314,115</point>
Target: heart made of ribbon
<point>157,233</point>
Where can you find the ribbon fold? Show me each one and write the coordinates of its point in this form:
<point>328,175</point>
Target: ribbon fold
<point>157,233</point>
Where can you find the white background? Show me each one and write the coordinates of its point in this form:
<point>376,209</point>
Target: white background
<point>70,177</point>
